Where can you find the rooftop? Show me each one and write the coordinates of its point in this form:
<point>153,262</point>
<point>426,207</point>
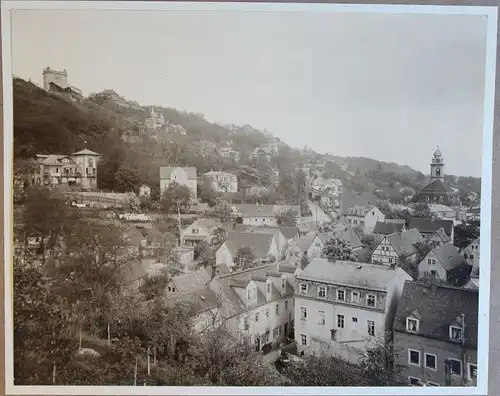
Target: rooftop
<point>426,225</point>
<point>166,171</point>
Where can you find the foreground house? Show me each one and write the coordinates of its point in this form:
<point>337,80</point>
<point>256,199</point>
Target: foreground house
<point>436,331</point>
<point>341,308</point>
<point>471,255</point>
<point>257,303</point>
<point>364,216</point>
<point>445,264</point>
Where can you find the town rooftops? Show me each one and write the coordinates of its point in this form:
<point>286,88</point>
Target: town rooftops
<point>413,236</point>
<point>344,233</point>
<point>205,223</point>
<point>438,307</point>
<point>449,257</point>
<point>166,171</point>
<point>199,300</point>
<point>350,273</point>
<point>385,228</point>
<point>255,210</point>
<point>304,242</point>
<point>430,226</point>
<point>401,245</point>
<point>260,243</point>
<point>436,187</point>
<point>189,282</point>
<point>216,173</point>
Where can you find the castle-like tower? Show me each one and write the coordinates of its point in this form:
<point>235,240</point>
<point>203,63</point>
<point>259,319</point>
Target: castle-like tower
<point>54,76</point>
<point>437,166</point>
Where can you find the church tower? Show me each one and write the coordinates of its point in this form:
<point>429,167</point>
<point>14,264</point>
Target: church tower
<point>437,166</point>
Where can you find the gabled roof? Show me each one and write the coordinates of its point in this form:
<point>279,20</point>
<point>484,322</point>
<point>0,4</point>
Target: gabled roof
<point>189,282</point>
<point>425,225</point>
<point>402,246</point>
<point>439,307</point>
<point>86,152</point>
<point>412,236</point>
<point>290,232</point>
<point>350,273</point>
<point>166,171</point>
<point>199,300</point>
<point>449,257</point>
<point>304,242</point>
<point>435,187</point>
<point>204,223</point>
<point>51,159</point>
<point>384,228</point>
<point>255,210</point>
<point>260,243</point>
<point>442,235</point>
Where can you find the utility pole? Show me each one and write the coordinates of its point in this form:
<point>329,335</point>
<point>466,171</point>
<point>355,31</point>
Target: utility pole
<point>464,352</point>
<point>179,220</point>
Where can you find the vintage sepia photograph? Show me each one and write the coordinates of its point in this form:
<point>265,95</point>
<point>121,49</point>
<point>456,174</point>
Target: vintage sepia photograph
<point>231,195</point>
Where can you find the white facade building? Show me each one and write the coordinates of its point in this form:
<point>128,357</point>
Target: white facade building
<point>222,181</point>
<point>184,176</point>
<point>342,308</point>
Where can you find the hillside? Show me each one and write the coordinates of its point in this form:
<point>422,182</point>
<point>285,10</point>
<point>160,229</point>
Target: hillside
<point>52,123</point>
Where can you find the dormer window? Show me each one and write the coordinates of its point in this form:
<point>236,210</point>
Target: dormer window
<point>456,333</point>
<point>322,291</point>
<point>412,324</point>
<point>303,288</point>
<point>355,297</point>
<point>371,300</point>
<point>341,295</point>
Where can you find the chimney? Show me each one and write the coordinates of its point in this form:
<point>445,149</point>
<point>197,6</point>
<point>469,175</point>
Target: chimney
<point>277,266</point>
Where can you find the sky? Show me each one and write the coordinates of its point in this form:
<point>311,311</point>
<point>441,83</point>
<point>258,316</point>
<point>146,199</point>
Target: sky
<point>388,87</point>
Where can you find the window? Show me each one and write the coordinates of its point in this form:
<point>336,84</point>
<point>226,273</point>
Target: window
<point>430,361</point>
<point>355,296</point>
<point>286,305</point>
<point>455,333</point>
<point>321,320</point>
<point>275,333</point>
<point>391,260</point>
<point>355,323</point>
<point>471,256</point>
<point>303,288</point>
<point>256,317</point>
<point>303,339</point>
<point>414,357</point>
<point>245,323</point>
<point>277,309</point>
<point>355,221</point>
<point>472,371</point>
<point>429,261</point>
<point>303,313</point>
<point>340,321</point>
<point>456,367</point>
<point>433,261</point>
<point>370,300</point>
<point>434,273</point>
<point>322,292</point>
<point>267,312</point>
<point>269,288</point>
<point>413,381</point>
<point>249,294</point>
<point>412,324</point>
<point>332,334</point>
<point>341,295</point>
<point>283,283</point>
<point>361,222</point>
<point>371,327</point>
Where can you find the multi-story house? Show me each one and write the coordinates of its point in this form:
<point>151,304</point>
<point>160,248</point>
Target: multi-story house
<point>342,308</point>
<point>78,169</point>
<point>441,211</point>
<point>438,238</point>
<point>262,245</point>
<point>435,334</point>
<point>393,249</point>
<point>364,216</point>
<point>258,303</point>
<point>279,237</point>
<point>445,264</point>
<point>200,230</point>
<point>222,181</point>
<point>471,255</point>
<point>187,283</point>
<point>428,227</point>
<point>183,176</point>
<point>228,152</point>
<point>185,255</point>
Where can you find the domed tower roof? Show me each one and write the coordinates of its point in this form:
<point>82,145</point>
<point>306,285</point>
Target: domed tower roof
<point>437,153</point>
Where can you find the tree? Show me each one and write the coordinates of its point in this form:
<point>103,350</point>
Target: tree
<point>287,218</point>
<point>203,251</point>
<point>132,202</point>
<point>380,366</point>
<point>244,259</point>
<point>304,261</point>
<point>219,236</point>
<point>466,232</point>
<point>338,249</point>
<point>221,210</point>
<point>423,248</point>
<point>206,191</point>
<point>421,209</point>
<point>126,180</point>
<point>175,197</point>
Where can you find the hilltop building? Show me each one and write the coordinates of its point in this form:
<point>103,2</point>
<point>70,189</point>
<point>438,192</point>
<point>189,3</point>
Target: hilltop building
<point>186,176</point>
<point>78,169</point>
<point>56,80</point>
<point>435,191</point>
<point>156,120</point>
<point>118,100</point>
